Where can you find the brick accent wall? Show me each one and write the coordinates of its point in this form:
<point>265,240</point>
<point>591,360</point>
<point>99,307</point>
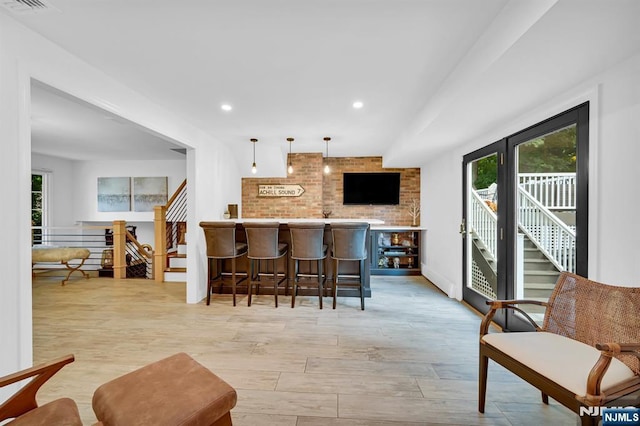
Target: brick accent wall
<point>324,192</point>
<point>307,172</point>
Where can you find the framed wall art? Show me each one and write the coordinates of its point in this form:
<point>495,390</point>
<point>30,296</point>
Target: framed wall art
<point>114,194</point>
<point>149,192</point>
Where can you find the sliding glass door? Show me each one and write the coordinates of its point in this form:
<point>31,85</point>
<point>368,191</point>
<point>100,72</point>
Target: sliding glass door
<point>526,214</point>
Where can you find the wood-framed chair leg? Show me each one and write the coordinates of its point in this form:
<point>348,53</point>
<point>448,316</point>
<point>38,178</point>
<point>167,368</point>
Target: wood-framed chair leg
<point>545,398</point>
<point>482,381</point>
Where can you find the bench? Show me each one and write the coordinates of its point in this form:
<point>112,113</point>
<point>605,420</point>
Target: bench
<point>61,255</point>
<point>587,352</point>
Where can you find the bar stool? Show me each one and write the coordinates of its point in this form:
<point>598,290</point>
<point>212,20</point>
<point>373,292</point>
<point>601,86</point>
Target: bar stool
<point>262,239</point>
<point>222,244</point>
<point>349,244</point>
<point>307,243</point>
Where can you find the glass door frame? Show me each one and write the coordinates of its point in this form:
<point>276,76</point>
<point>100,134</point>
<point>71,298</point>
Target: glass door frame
<point>507,214</point>
<point>578,116</point>
<point>475,299</point>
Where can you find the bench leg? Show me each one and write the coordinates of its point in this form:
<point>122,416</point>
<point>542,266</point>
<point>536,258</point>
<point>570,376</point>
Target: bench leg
<point>545,398</point>
<point>224,420</point>
<point>73,269</point>
<point>482,382</point>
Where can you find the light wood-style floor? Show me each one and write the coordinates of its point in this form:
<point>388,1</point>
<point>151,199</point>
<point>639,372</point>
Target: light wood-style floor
<point>409,359</point>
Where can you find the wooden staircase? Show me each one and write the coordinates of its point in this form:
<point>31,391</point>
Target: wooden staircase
<point>540,276</point>
<point>170,236</point>
<point>176,270</point>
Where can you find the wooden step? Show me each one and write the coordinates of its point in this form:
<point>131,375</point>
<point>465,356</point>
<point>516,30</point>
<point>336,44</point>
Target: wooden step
<point>539,286</point>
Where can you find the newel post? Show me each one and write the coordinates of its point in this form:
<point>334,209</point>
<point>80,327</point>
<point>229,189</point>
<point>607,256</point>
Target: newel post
<point>160,236</point>
<point>119,249</point>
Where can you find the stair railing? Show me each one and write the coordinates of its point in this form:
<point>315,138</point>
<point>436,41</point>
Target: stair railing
<point>484,223</point>
<point>556,191</point>
<point>139,257</point>
<point>169,228</point>
<point>553,237</point>
<point>111,245</point>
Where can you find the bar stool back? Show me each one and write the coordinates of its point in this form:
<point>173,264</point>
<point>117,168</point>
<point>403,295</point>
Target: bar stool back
<point>349,244</point>
<point>307,243</point>
<point>222,244</point>
<point>262,239</point>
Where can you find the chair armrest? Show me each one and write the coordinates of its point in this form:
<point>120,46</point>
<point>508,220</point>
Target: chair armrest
<point>617,348</point>
<point>25,399</point>
<point>608,351</point>
<point>494,305</point>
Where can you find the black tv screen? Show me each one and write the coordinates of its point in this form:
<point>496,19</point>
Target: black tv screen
<point>371,188</point>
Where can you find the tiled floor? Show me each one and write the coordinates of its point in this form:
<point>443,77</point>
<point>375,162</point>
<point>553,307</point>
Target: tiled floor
<point>409,359</point>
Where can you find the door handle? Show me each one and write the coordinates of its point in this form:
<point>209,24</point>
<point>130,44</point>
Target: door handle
<point>463,231</point>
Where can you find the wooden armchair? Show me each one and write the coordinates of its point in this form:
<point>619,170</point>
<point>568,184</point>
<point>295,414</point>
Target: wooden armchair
<point>23,407</point>
<point>587,352</point>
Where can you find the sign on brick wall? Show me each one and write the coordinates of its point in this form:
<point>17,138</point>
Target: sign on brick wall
<point>280,190</point>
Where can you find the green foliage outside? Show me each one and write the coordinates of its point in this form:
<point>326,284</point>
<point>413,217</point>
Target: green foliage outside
<point>552,153</point>
<point>36,207</point>
<point>486,172</point>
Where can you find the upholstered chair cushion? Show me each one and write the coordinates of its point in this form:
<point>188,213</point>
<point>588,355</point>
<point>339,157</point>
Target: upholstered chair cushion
<point>61,412</point>
<point>564,361</point>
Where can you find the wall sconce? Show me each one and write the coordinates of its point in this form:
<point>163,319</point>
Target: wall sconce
<point>327,169</point>
<point>254,169</point>
<point>290,167</point>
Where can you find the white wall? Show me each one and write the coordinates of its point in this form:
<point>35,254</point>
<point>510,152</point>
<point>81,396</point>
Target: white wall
<point>61,187</point>
<point>614,241</point>
<point>25,55</point>
<point>86,174</point>
<point>73,190</point>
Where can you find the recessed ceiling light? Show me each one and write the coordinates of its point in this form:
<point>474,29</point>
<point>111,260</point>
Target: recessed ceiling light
<point>358,104</point>
<point>226,107</point>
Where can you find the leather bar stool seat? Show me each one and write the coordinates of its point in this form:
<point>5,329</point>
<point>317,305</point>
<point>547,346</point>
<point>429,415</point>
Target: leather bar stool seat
<point>263,245</point>
<point>222,244</point>
<point>307,244</point>
<point>349,244</point>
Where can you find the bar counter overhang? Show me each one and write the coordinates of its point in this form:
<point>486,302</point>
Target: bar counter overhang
<point>306,267</point>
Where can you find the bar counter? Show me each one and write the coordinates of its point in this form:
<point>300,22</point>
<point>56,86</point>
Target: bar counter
<point>305,266</point>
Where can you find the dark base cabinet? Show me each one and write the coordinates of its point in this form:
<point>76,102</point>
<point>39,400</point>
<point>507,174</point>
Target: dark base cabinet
<point>395,251</point>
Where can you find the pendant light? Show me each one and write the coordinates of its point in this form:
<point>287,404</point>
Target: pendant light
<point>327,169</point>
<point>290,167</point>
<point>254,169</point>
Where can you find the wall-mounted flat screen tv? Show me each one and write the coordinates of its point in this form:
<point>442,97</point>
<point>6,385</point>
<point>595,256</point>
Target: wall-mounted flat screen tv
<point>371,188</point>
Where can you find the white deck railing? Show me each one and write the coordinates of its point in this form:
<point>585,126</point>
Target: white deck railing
<point>484,223</point>
<point>552,190</point>
<point>552,236</point>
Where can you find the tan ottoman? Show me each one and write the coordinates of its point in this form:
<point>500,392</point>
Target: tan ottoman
<point>173,391</point>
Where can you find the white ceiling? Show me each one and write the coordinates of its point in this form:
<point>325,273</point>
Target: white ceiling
<point>431,73</point>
